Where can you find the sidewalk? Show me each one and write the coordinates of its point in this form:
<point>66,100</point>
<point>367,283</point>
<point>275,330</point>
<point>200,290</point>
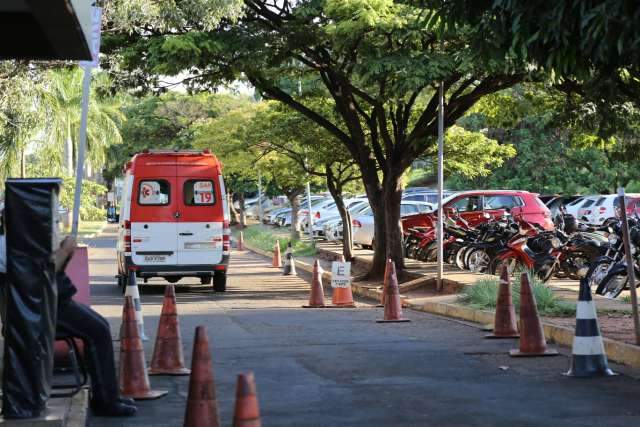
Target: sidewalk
<point>419,293</point>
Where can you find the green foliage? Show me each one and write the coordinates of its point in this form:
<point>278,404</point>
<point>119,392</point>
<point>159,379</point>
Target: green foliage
<point>265,238</point>
<point>483,294</point>
<point>169,121</point>
<point>91,190</point>
<point>553,155</point>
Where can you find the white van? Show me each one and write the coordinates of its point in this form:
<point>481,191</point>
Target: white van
<point>174,220</point>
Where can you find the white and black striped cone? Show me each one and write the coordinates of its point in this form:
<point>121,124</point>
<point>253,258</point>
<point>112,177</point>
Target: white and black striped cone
<point>588,355</point>
<point>132,291</point>
<point>289,263</point>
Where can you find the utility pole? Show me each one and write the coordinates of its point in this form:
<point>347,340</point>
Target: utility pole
<point>439,225</point>
<point>631,275</point>
<point>260,197</point>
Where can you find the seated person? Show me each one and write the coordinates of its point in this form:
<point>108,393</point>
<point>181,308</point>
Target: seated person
<point>80,321</point>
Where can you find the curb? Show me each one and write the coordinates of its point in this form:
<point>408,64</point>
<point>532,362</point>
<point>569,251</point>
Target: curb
<point>617,351</point>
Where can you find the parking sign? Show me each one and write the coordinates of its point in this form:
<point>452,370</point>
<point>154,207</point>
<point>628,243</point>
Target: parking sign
<point>340,274</point>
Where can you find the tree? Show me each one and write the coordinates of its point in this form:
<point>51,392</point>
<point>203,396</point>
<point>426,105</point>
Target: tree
<point>288,133</point>
<point>19,124</point>
<point>378,61</point>
<point>168,121</point>
<point>60,94</point>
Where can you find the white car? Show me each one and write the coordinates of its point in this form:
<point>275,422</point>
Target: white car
<point>333,227</point>
<point>601,210</point>
<point>573,207</point>
<point>362,225</point>
<point>330,213</point>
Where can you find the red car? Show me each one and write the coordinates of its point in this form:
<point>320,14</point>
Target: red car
<point>472,205</point>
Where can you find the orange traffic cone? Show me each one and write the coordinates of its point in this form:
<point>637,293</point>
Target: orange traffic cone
<point>316,297</point>
<point>167,353</point>
<point>277,259</point>
<point>385,284</point>
<point>342,297</point>
<point>532,342</point>
<point>392,304</point>
<point>247,412</point>
<point>202,404</point>
<point>241,242</point>
<point>505,324</point>
<point>134,381</point>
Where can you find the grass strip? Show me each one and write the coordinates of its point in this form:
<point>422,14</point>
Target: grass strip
<point>483,295</point>
<point>265,238</point>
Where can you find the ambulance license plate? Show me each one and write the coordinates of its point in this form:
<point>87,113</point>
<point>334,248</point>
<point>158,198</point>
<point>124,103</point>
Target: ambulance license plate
<point>155,258</point>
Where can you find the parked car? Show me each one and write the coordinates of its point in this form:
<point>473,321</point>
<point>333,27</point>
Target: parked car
<point>603,208</point>
<point>425,196</point>
<point>333,227</point>
<point>175,219</point>
<point>332,216</point>
<point>362,225</point>
<point>556,201</point>
<point>472,206</point>
<point>573,207</point>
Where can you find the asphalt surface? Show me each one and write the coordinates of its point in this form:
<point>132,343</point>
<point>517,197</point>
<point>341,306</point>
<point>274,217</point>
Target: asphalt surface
<point>337,367</point>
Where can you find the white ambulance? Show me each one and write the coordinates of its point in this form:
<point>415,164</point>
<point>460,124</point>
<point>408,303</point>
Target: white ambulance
<point>174,218</point>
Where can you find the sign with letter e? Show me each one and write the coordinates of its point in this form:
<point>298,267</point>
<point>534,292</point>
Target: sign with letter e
<point>340,274</point>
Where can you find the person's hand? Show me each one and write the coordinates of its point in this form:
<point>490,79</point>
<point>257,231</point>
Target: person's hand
<point>64,253</point>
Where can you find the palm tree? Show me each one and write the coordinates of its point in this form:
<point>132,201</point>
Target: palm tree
<point>19,118</point>
<point>61,95</point>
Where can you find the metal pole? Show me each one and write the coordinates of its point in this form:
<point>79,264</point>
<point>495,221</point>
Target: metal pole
<point>82,145</point>
<point>260,197</point>
<point>313,242</point>
<point>630,264</point>
<point>439,230</point>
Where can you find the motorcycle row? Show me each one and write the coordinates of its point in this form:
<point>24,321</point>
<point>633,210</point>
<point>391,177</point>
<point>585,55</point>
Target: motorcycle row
<point>572,250</point>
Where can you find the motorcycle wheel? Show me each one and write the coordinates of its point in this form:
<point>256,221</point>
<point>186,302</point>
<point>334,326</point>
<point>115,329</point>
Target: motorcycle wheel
<point>460,257</point>
<point>596,275</point>
<point>465,257</point>
<point>478,261</point>
<point>614,284</point>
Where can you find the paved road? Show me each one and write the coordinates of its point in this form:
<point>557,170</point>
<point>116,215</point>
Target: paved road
<point>340,368</point>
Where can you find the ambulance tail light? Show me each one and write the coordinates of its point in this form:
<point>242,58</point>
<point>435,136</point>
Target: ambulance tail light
<point>226,238</point>
<point>127,235</point>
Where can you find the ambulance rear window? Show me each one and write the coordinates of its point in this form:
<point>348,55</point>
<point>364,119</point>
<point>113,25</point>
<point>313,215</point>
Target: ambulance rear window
<point>199,193</point>
<point>153,193</point>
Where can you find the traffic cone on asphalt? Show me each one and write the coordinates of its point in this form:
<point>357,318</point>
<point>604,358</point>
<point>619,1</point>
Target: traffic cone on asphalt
<point>133,292</point>
<point>167,353</point>
<point>277,261</point>
<point>202,404</point>
<point>316,296</point>
<point>342,297</point>
<point>392,303</point>
<point>240,242</point>
<point>532,342</point>
<point>385,283</point>
<point>289,262</point>
<point>505,324</point>
<point>134,381</point>
<point>247,411</point>
<point>588,356</point>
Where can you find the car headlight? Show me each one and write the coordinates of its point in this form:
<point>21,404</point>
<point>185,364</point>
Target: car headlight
<point>556,243</point>
<point>613,239</point>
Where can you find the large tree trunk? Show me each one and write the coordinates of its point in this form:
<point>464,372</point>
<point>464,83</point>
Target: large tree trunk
<point>392,191</point>
<point>385,204</point>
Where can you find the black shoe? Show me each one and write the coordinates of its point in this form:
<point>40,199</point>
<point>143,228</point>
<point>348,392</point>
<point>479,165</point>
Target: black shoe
<point>127,401</point>
<point>113,409</point>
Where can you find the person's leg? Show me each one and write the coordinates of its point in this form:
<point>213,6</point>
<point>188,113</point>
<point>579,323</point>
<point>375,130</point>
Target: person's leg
<point>80,321</point>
